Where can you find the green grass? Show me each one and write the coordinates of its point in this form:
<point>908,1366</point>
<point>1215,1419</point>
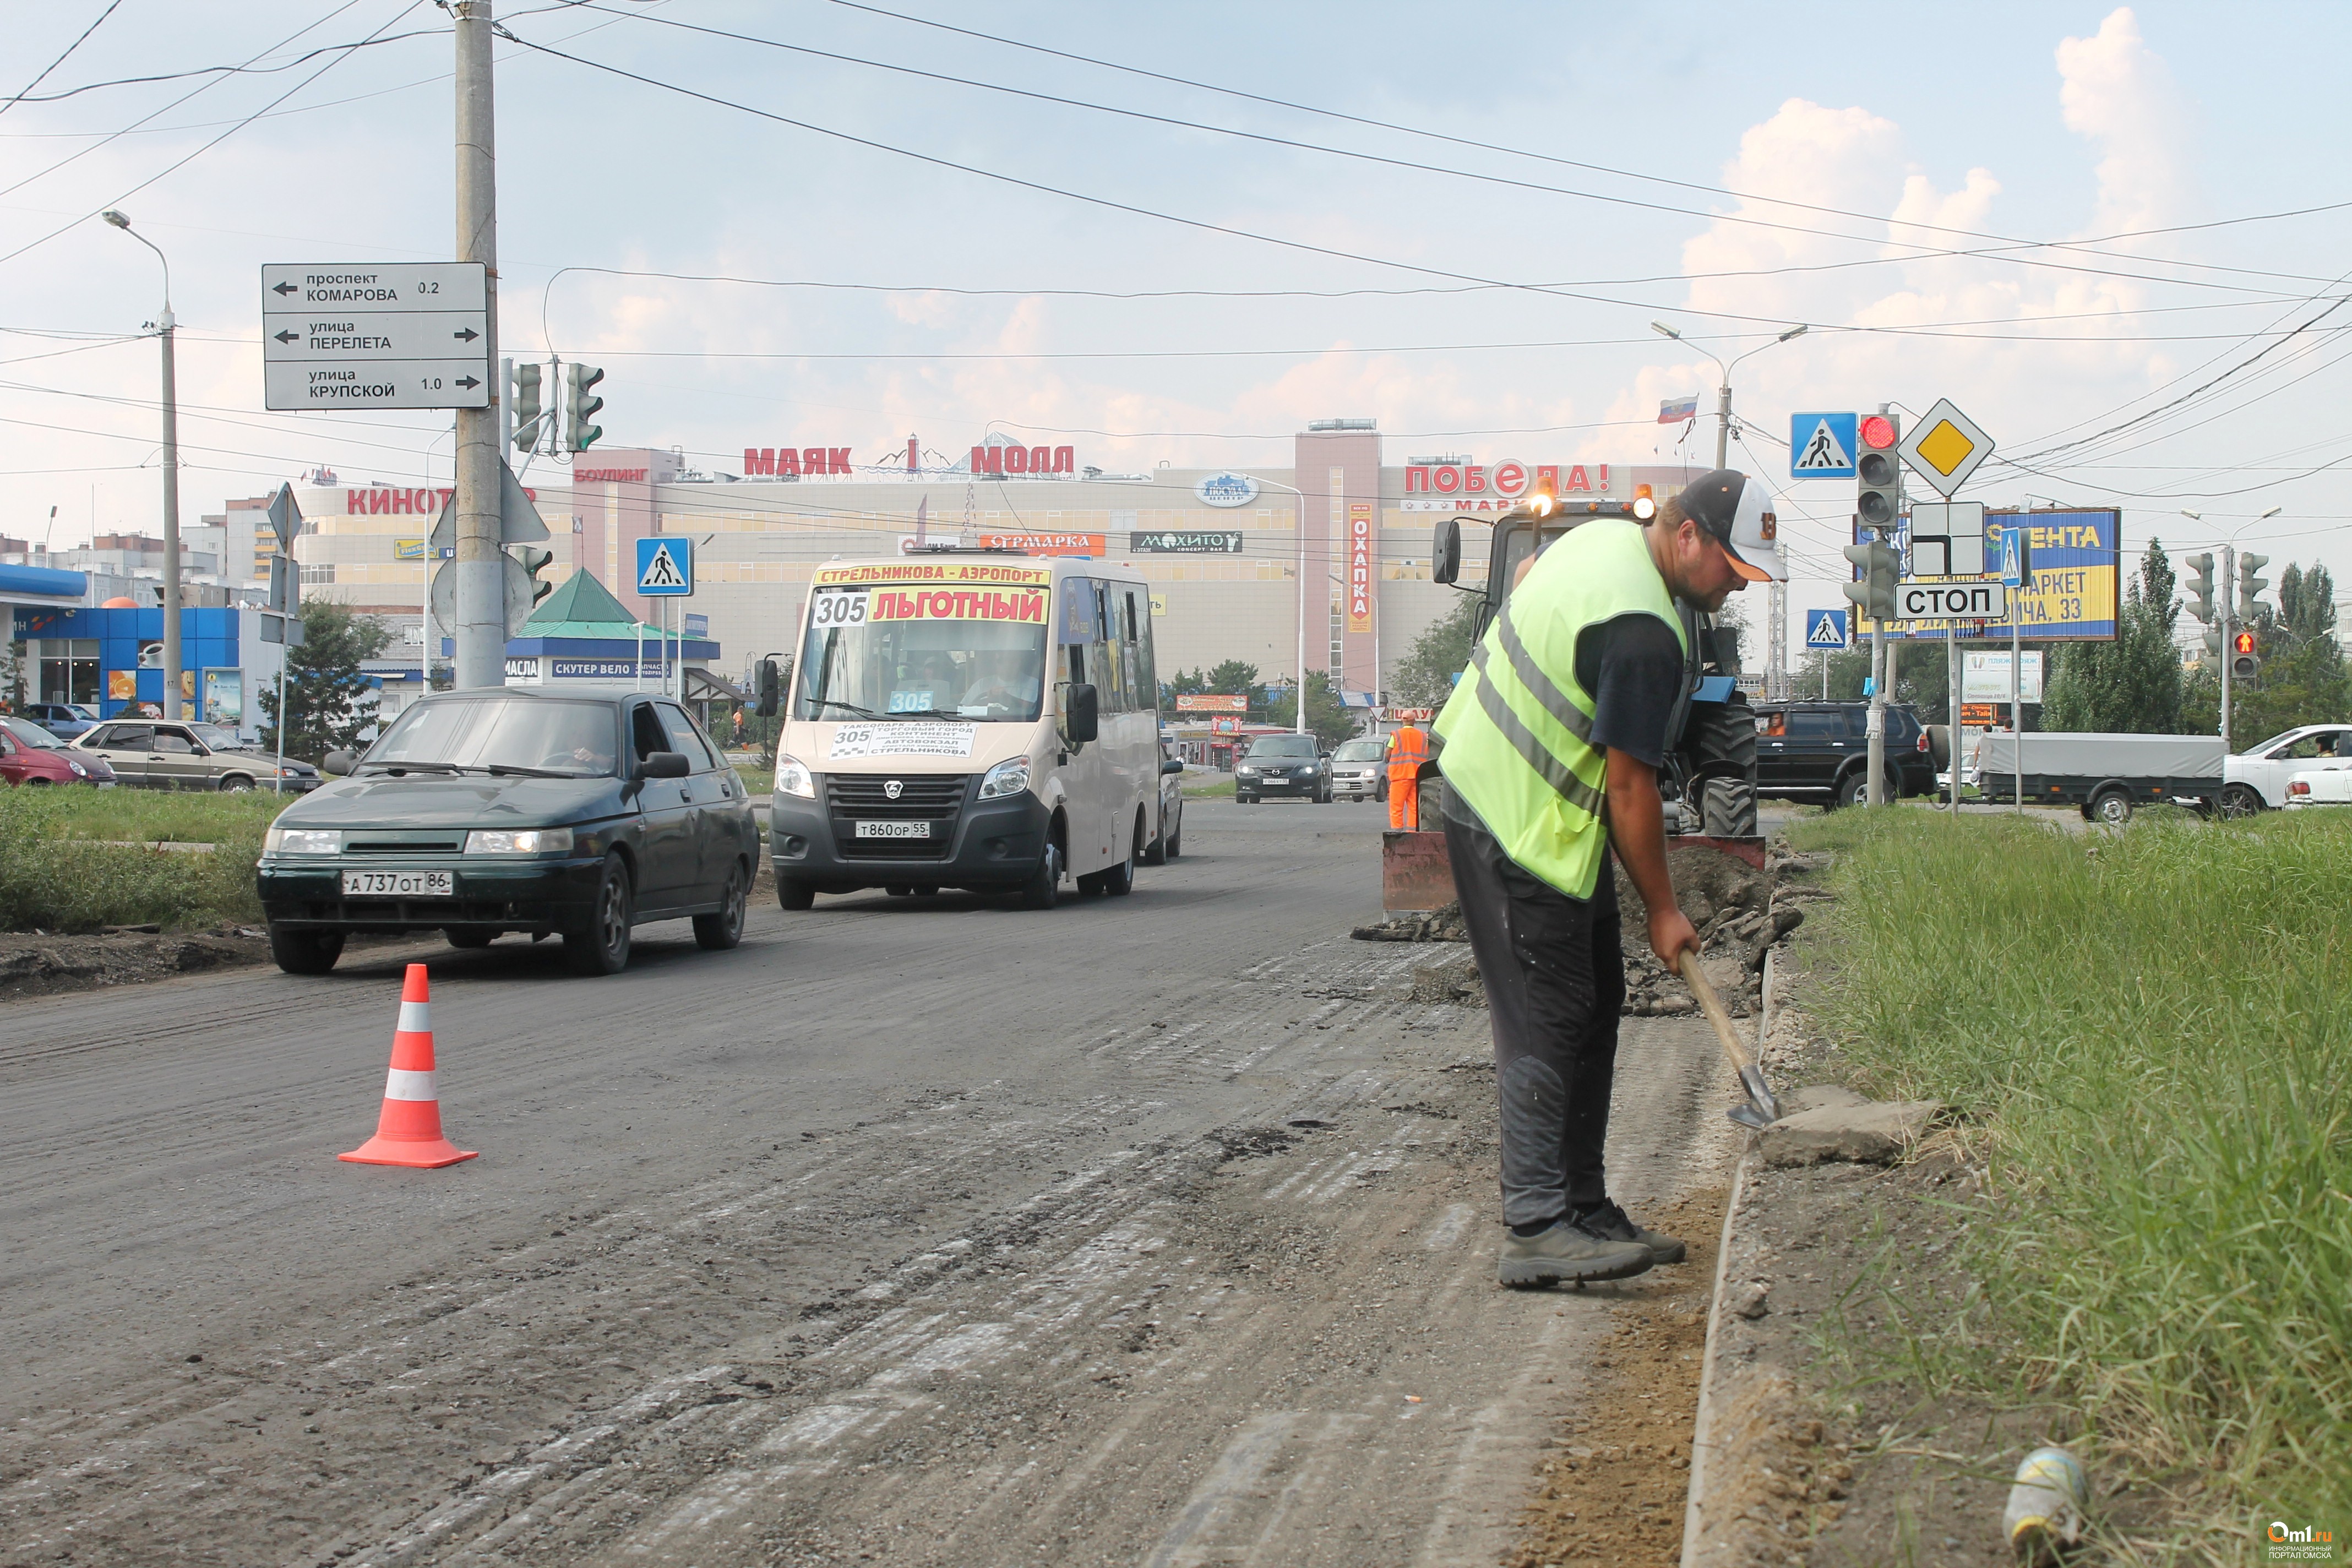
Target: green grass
<point>2148,1036</point>
<point>55,877</point>
<point>760,781</point>
<point>1220,790</point>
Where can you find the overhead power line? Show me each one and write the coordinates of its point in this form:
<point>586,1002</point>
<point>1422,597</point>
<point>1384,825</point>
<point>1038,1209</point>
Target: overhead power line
<point>1570,162</point>
<point>1998,252</point>
<point>8,103</point>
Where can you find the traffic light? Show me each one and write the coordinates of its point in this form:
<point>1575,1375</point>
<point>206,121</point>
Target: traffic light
<point>2250,586</point>
<point>2200,588</point>
<point>2213,642</point>
<point>528,411</point>
<point>2244,662</point>
<point>1878,477</point>
<point>580,407</point>
<point>1874,593</point>
<point>534,561</point>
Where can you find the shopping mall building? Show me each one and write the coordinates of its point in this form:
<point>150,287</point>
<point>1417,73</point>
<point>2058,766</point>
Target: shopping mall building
<point>1225,548</point>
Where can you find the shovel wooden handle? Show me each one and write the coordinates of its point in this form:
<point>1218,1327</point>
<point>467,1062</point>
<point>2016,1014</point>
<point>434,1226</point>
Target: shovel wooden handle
<point>1687,961</point>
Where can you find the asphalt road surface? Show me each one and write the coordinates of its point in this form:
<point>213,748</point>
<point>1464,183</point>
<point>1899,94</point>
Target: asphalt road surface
<point>1154,1230</point>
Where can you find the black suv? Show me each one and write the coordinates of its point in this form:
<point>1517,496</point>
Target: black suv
<point>1821,752</point>
<point>1284,765</point>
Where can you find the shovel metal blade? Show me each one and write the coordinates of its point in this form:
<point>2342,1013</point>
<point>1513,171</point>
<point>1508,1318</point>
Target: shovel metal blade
<point>1753,1078</point>
<point>1748,1116</point>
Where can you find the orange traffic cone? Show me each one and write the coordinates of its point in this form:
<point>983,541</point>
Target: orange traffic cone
<point>409,1131</point>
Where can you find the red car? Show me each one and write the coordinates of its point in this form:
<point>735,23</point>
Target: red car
<point>31,755</point>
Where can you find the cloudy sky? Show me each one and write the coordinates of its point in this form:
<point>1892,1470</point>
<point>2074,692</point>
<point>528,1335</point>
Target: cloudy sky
<point>2112,235</point>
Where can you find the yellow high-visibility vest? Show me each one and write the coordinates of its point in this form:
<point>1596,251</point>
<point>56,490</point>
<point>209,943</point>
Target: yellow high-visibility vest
<point>1517,728</point>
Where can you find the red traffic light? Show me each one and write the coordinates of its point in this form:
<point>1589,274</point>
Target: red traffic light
<point>1878,432</point>
<point>2242,643</point>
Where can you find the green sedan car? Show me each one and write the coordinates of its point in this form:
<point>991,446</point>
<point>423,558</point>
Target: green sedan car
<point>479,813</point>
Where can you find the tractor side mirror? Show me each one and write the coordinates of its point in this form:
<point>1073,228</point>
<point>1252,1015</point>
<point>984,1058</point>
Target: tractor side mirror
<point>1445,552</point>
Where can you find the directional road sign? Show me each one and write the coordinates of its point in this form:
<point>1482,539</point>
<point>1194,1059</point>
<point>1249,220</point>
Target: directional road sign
<point>1822,445</point>
<point>1825,628</point>
<point>371,335</point>
<point>664,566</point>
<point>1950,602</point>
<point>1945,448</point>
<point>1948,538</point>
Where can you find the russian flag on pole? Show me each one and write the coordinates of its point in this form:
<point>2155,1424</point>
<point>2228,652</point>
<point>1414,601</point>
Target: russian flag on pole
<point>1675,410</point>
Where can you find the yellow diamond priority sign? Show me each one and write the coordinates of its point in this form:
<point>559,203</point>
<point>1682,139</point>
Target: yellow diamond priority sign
<point>1945,448</point>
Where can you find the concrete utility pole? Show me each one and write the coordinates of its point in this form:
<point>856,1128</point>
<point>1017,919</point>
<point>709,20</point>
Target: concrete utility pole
<point>164,325</point>
<point>481,629</point>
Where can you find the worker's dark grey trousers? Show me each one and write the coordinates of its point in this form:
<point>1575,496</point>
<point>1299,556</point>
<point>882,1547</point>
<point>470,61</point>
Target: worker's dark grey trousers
<point>1555,981</point>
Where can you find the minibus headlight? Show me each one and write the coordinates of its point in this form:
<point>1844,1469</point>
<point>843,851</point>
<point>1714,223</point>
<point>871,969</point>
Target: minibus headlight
<point>793,777</point>
<point>1008,778</point>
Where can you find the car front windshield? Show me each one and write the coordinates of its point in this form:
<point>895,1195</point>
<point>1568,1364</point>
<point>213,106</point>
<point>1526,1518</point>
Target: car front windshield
<point>216,739</point>
<point>1361,752</point>
<point>924,653</point>
<point>572,739</point>
<point>1282,746</point>
<point>32,735</point>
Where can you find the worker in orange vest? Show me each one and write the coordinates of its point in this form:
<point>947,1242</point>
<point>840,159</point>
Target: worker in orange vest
<point>1408,748</point>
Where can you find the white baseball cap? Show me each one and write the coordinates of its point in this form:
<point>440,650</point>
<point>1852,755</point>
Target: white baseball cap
<point>1738,513</point>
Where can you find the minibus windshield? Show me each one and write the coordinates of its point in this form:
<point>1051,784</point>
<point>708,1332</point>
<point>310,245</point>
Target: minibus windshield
<point>953,658</point>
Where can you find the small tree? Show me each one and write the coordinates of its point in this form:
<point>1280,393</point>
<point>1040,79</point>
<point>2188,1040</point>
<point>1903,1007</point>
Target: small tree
<point>1331,720</point>
<point>1424,677</point>
<point>2132,685</point>
<point>327,700</point>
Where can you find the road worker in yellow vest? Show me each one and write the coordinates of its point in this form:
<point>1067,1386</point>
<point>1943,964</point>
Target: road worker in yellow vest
<point>1552,742</point>
<point>1408,748</point>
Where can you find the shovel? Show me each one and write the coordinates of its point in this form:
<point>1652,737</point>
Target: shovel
<point>1761,1109</point>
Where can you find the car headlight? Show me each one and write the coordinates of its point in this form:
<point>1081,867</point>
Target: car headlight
<point>79,771</point>
<point>1246,772</point>
<point>793,777</point>
<point>524,841</point>
<point>303,841</point>
<point>1008,778</point>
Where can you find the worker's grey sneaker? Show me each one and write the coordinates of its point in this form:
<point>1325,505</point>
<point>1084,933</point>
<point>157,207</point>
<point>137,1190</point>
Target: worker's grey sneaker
<point>1568,1253</point>
<point>1612,1222</point>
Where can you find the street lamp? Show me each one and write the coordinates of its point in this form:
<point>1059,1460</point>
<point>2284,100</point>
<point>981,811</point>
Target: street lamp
<point>1777,610</point>
<point>1300,515</point>
<point>171,479</point>
<point>1723,392</point>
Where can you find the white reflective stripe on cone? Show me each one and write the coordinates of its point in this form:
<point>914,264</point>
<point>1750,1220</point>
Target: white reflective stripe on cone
<point>415,1018</point>
<point>402,1084</point>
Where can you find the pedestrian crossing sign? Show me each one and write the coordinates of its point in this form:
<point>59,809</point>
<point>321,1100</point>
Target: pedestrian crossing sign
<point>1821,445</point>
<point>1825,628</point>
<point>664,566</point>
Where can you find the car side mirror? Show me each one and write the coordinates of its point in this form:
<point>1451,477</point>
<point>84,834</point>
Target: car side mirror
<point>1170,765</point>
<point>1445,551</point>
<point>1078,714</point>
<point>337,764</point>
<point>771,686</point>
<point>664,766</point>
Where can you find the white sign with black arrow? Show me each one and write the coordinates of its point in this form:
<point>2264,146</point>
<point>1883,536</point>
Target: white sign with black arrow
<point>371,336</point>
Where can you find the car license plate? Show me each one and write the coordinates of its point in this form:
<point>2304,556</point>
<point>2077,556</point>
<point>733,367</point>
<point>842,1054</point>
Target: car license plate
<point>400,885</point>
<point>894,830</point>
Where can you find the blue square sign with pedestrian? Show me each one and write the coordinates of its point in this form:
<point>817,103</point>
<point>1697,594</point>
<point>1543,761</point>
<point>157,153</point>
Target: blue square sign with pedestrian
<point>1822,445</point>
<point>666,567</point>
<point>1825,628</point>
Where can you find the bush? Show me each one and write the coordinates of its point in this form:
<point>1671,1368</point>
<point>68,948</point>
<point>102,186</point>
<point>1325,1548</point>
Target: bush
<point>2152,1032</point>
<point>56,876</point>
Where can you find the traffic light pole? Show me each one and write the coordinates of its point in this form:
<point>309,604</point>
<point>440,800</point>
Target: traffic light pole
<point>1877,762</point>
<point>2229,625</point>
<point>481,629</point>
